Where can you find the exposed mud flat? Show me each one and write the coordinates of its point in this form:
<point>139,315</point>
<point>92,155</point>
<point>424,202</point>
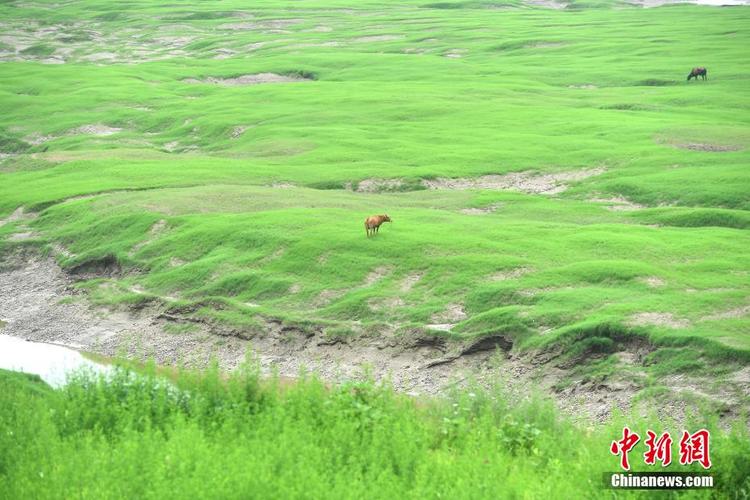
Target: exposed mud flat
<point>39,303</point>
<point>254,79</point>
<point>526,182</point>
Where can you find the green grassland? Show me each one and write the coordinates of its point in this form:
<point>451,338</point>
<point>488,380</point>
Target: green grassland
<point>235,437</point>
<point>239,203</point>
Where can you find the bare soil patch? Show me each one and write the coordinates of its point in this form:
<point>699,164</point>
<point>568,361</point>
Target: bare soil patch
<point>378,38</point>
<point>481,211</point>
<point>510,274</point>
<point>283,185</point>
<point>454,313</point>
<point>268,24</point>
<point>18,214</point>
<point>653,281</point>
<point>376,185</point>
<point>619,203</point>
<point>158,228</point>
<point>95,129</point>
<point>320,29</point>
<point>224,53</point>
<point>408,283</point>
<point>456,53</point>
<point>23,236</point>
<point>443,327</point>
<point>327,296</point>
<point>387,304</point>
<point>101,56</point>
<point>517,181</point>
<point>544,45</point>
<point>547,4</point>
<point>707,147</point>
<point>658,319</point>
<point>238,131</point>
<point>739,312</point>
<point>376,275</point>
<point>254,79</point>
<point>32,289</point>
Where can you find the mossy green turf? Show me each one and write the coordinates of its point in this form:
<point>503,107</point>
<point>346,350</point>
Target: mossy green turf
<point>534,90</point>
<point>234,437</point>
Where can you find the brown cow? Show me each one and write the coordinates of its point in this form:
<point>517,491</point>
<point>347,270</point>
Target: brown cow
<point>372,223</point>
<point>696,72</point>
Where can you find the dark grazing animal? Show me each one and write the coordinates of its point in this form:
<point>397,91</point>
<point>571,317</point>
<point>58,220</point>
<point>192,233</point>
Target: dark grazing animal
<point>696,72</point>
<point>372,223</point>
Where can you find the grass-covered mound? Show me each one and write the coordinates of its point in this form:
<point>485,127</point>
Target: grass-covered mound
<point>235,437</point>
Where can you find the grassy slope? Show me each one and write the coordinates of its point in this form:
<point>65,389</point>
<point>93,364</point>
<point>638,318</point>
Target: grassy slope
<point>129,438</point>
<point>511,103</point>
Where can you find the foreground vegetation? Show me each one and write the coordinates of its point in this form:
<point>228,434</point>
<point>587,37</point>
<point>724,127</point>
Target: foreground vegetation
<point>217,437</point>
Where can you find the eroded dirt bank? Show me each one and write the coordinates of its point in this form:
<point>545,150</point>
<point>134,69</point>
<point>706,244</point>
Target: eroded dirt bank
<point>38,301</point>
